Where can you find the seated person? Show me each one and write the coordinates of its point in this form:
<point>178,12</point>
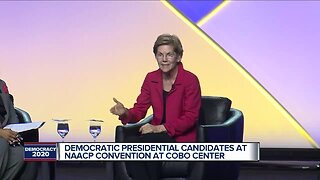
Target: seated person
<point>11,152</point>
<point>175,96</point>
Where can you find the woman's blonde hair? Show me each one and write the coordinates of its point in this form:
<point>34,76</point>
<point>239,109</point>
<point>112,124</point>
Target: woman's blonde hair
<point>168,39</point>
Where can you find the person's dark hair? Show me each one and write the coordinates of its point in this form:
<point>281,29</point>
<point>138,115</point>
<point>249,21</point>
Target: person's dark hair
<point>168,39</point>
<point>11,98</point>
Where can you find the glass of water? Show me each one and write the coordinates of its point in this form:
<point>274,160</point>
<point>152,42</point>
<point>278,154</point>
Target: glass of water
<point>62,127</point>
<point>95,128</point>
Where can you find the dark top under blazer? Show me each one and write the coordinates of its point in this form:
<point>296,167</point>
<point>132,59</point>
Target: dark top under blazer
<point>182,106</point>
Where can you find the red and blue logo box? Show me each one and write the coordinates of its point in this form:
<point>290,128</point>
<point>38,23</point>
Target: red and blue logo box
<point>40,151</point>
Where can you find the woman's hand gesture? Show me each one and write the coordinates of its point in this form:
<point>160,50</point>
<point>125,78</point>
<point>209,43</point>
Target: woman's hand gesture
<point>118,109</point>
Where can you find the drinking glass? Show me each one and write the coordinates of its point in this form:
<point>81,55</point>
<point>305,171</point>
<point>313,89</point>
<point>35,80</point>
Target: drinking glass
<point>62,127</point>
<point>95,128</point>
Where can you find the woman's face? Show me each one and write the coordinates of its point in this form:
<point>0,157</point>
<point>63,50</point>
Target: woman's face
<point>167,59</point>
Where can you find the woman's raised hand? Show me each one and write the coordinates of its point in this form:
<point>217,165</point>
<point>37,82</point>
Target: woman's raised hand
<point>118,109</point>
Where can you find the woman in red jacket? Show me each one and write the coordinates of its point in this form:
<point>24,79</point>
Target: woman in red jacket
<point>175,96</point>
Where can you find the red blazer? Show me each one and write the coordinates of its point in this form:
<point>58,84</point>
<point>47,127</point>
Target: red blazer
<point>182,106</point>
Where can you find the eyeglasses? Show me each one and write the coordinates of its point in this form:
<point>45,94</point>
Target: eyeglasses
<point>169,55</point>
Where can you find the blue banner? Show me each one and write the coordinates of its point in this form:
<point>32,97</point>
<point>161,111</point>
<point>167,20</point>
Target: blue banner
<point>40,151</point>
